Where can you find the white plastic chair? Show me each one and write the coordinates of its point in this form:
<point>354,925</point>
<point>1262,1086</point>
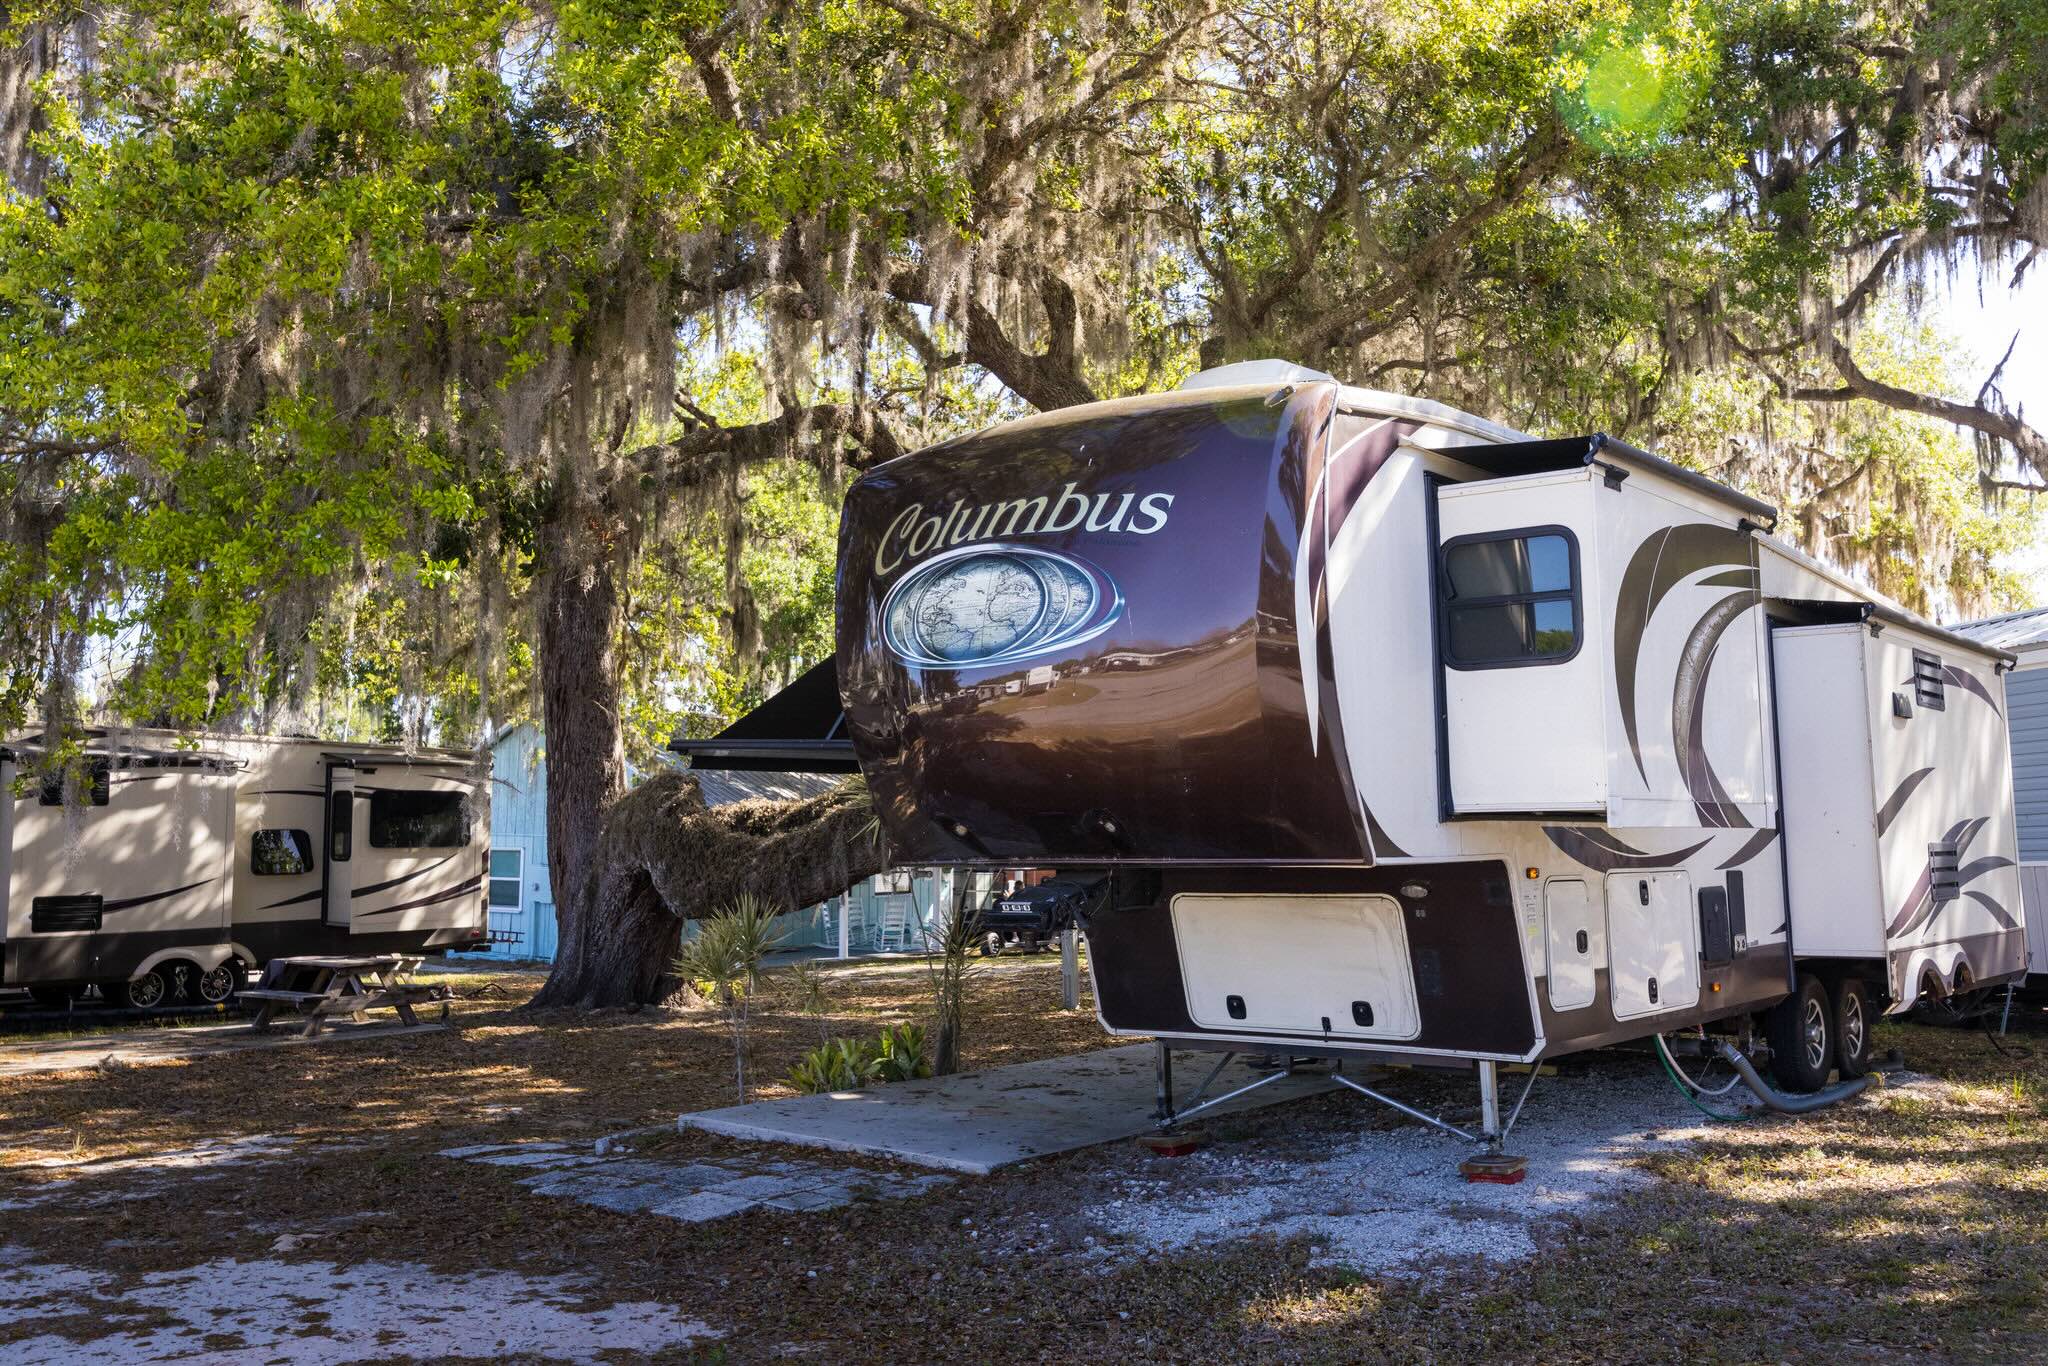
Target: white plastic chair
<point>892,935</point>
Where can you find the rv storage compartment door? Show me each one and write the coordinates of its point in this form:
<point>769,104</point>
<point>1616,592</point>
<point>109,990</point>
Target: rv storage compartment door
<point>1577,942</point>
<point>1654,940</point>
<point>1299,964</point>
<point>1524,726</point>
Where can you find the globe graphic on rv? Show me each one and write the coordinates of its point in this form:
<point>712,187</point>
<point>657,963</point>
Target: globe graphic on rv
<point>989,606</point>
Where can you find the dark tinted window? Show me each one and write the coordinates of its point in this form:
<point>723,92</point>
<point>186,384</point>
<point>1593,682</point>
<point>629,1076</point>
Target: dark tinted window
<point>1510,599</point>
<point>417,820</point>
<point>280,853</point>
<point>93,785</point>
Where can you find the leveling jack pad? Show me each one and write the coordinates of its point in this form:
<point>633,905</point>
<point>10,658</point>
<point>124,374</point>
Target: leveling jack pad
<point>1499,1168</point>
<point>1170,1145</point>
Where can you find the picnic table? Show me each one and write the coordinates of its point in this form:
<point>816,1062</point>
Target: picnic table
<point>325,988</point>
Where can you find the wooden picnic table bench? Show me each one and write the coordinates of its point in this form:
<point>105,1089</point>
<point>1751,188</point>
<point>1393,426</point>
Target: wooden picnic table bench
<point>326,988</point>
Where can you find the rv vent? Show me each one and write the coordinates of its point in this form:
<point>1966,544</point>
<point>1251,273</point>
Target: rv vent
<point>1943,860</point>
<point>1927,685</point>
<point>59,914</point>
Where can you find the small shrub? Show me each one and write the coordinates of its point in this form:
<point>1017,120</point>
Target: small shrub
<point>849,1064</point>
<point>841,1065</point>
<point>900,1054</point>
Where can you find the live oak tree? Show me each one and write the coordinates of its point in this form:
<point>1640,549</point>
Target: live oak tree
<point>454,358</point>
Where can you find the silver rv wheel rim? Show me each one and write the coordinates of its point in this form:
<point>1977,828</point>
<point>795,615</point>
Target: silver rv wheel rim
<point>1852,1025</point>
<point>216,986</point>
<point>147,989</point>
<point>1816,1034</point>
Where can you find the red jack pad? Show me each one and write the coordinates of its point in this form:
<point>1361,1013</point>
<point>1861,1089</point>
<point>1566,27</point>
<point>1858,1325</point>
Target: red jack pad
<point>1170,1145</point>
<point>1498,1168</point>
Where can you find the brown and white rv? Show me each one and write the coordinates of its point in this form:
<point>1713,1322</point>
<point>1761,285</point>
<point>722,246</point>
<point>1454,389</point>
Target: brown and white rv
<point>1405,735</point>
<point>166,868</point>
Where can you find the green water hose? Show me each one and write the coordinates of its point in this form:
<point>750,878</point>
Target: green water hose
<point>1664,1060</point>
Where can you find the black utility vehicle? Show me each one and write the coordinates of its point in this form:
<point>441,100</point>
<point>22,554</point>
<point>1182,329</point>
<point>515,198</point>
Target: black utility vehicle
<point>1032,918</point>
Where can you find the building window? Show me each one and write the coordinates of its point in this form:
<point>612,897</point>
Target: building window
<point>94,790</point>
<point>280,853</point>
<point>505,873</point>
<point>1928,688</point>
<point>1510,598</point>
<point>417,820</point>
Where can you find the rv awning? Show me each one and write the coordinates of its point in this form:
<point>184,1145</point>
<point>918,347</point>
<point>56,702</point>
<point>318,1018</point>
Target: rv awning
<point>1531,457</point>
<point>801,729</point>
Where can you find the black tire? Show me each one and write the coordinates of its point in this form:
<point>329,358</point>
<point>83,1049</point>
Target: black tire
<point>217,986</point>
<point>1855,1027</point>
<point>143,992</point>
<point>52,998</point>
<point>1801,1030</point>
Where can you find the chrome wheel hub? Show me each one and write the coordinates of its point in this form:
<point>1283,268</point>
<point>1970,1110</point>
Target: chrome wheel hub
<point>1816,1034</point>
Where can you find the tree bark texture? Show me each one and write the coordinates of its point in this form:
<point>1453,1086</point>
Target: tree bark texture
<point>665,857</point>
<point>578,603</point>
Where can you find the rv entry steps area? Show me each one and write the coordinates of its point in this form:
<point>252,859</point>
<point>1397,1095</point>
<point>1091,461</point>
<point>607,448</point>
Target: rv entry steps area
<point>324,989</point>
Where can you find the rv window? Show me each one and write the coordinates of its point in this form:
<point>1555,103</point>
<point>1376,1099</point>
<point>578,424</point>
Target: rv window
<point>95,793</point>
<point>1928,689</point>
<point>280,853</point>
<point>417,820</point>
<point>505,869</point>
<point>1511,598</point>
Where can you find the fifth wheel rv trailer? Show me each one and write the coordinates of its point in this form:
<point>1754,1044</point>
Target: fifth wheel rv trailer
<point>164,873</point>
<point>1404,735</point>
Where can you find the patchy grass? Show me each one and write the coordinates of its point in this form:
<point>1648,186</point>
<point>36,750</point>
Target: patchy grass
<point>1914,1226</point>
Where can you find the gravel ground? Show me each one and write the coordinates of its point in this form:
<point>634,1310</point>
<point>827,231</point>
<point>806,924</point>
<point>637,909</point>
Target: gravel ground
<point>323,1314</point>
<point>1391,1199</point>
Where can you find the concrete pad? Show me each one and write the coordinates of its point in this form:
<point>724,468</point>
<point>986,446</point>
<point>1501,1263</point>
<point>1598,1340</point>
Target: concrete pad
<point>136,1047</point>
<point>979,1121</point>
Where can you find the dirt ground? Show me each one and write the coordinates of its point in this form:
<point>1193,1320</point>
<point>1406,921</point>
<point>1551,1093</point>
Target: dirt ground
<point>1913,1225</point>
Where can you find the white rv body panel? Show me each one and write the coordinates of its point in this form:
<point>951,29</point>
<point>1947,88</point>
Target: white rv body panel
<point>1831,857</point>
<point>133,875</point>
<point>1900,835</point>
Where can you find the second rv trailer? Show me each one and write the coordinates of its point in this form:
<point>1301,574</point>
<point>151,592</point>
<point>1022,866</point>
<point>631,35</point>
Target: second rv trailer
<point>1404,734</point>
<point>171,871</point>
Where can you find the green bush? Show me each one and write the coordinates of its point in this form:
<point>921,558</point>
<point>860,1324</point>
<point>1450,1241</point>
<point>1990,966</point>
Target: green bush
<point>900,1054</point>
<point>849,1064</point>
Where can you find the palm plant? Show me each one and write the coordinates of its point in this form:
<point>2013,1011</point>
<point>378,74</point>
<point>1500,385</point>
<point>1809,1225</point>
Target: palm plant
<point>723,964</point>
<point>948,964</point>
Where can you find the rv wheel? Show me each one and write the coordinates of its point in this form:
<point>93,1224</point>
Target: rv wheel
<point>223,982</point>
<point>142,993</point>
<point>1854,1020</point>
<point>1801,1030</point>
<point>991,944</point>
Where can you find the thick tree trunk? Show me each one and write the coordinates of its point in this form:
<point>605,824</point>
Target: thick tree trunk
<point>578,597</point>
<point>665,858</point>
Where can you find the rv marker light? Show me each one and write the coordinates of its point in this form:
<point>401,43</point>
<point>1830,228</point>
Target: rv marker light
<point>1415,891</point>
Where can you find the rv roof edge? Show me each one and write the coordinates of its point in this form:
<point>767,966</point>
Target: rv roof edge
<point>1246,373</point>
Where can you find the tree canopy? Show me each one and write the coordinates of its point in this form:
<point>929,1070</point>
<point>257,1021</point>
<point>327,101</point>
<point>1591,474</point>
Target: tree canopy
<point>427,365</point>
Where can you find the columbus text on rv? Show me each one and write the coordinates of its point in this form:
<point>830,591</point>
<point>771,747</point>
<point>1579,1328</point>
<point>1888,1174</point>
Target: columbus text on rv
<point>1407,736</point>
<point>164,869</point>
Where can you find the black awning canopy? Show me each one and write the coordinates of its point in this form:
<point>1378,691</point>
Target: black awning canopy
<point>801,729</point>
